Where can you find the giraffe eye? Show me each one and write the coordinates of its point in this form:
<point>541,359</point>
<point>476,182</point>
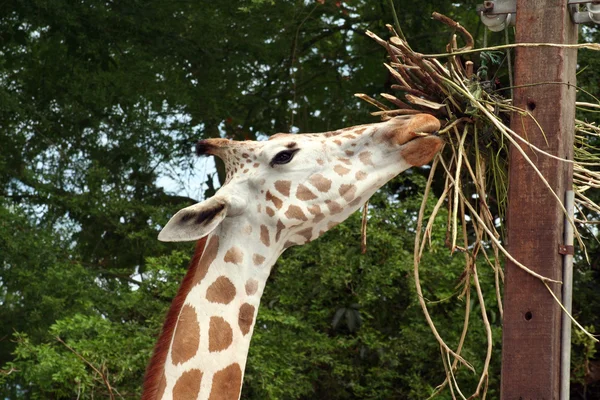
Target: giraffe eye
<point>283,157</point>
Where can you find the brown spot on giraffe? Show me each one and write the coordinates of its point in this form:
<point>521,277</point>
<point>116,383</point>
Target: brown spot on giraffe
<point>264,235</point>
<point>345,160</point>
<point>208,257</point>
<point>187,336</point>
<point>295,212</point>
<point>251,286</point>
<point>332,224</point>
<point>306,233</point>
<point>220,334</point>
<point>320,182</point>
<point>365,157</point>
<point>270,211</point>
<point>341,170</point>
<point>303,193</point>
<point>234,255</point>
<point>280,227</point>
<point>221,291</point>
<point>276,200</point>
<point>360,175</point>
<point>187,386</point>
<point>289,244</point>
<point>247,229</point>
<point>258,259</point>
<point>320,162</point>
<point>355,202</point>
<point>314,210</point>
<point>334,207</point>
<point>318,218</point>
<point>347,191</point>
<point>283,187</point>
<point>246,317</point>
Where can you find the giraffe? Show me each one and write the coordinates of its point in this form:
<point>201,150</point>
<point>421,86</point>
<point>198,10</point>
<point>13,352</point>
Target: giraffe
<point>278,193</point>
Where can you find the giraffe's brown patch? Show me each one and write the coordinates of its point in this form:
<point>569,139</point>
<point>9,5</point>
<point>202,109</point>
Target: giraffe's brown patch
<point>295,212</point>
<point>220,334</point>
<point>347,191</point>
<point>332,224</point>
<point>304,193</point>
<point>338,142</point>
<point>333,133</point>
<point>245,155</point>
<point>187,386</point>
<point>208,257</point>
<point>187,336</point>
<point>320,162</point>
<point>247,229</point>
<point>345,160</point>
<point>234,255</point>
<point>289,244</point>
<point>283,187</point>
<point>255,165</point>
<point>359,131</point>
<point>222,290</point>
<point>349,153</point>
<point>334,207</point>
<point>318,218</point>
<point>264,235</point>
<point>251,286</point>
<point>314,210</point>
<point>270,211</point>
<point>320,182</point>
<point>276,200</point>
<point>341,170</point>
<point>365,157</point>
<point>245,171</point>
<point>355,202</point>
<point>246,317</point>
<point>280,227</point>
<point>306,233</point>
<point>248,161</point>
<point>258,208</point>
<point>257,259</point>
<point>360,175</point>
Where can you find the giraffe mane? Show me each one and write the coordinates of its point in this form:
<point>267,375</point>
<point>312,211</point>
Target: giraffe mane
<point>154,372</point>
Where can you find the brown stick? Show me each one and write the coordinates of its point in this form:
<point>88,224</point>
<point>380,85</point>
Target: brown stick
<point>469,43</point>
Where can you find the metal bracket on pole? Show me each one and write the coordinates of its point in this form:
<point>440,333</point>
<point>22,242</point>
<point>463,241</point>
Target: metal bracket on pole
<point>498,14</point>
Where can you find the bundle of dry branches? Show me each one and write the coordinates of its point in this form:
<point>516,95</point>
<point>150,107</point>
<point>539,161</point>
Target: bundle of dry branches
<point>474,167</point>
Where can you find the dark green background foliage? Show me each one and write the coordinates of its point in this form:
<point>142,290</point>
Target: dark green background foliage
<point>101,99</point>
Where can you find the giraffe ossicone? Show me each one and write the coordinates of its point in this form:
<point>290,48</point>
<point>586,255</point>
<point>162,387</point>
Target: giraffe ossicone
<point>278,193</point>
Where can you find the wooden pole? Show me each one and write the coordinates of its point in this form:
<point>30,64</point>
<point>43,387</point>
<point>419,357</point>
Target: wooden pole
<point>532,319</point>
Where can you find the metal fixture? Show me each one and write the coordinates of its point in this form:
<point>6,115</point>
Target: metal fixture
<point>498,14</point>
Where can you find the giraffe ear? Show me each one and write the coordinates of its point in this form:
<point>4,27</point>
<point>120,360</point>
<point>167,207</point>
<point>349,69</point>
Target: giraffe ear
<point>194,222</point>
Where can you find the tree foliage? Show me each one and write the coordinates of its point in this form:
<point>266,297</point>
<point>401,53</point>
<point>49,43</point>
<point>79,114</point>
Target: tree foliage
<point>100,105</point>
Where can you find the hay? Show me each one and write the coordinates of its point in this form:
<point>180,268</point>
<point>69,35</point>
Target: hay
<point>475,120</point>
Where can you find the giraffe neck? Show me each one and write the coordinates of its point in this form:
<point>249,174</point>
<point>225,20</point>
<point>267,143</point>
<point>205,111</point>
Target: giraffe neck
<point>203,349</point>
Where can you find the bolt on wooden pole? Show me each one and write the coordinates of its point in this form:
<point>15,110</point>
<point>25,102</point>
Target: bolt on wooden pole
<point>544,78</point>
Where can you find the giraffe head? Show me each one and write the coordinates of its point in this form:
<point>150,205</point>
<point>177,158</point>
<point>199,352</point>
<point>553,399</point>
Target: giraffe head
<point>294,187</point>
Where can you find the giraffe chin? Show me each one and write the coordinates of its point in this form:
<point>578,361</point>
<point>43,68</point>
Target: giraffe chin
<point>421,150</point>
